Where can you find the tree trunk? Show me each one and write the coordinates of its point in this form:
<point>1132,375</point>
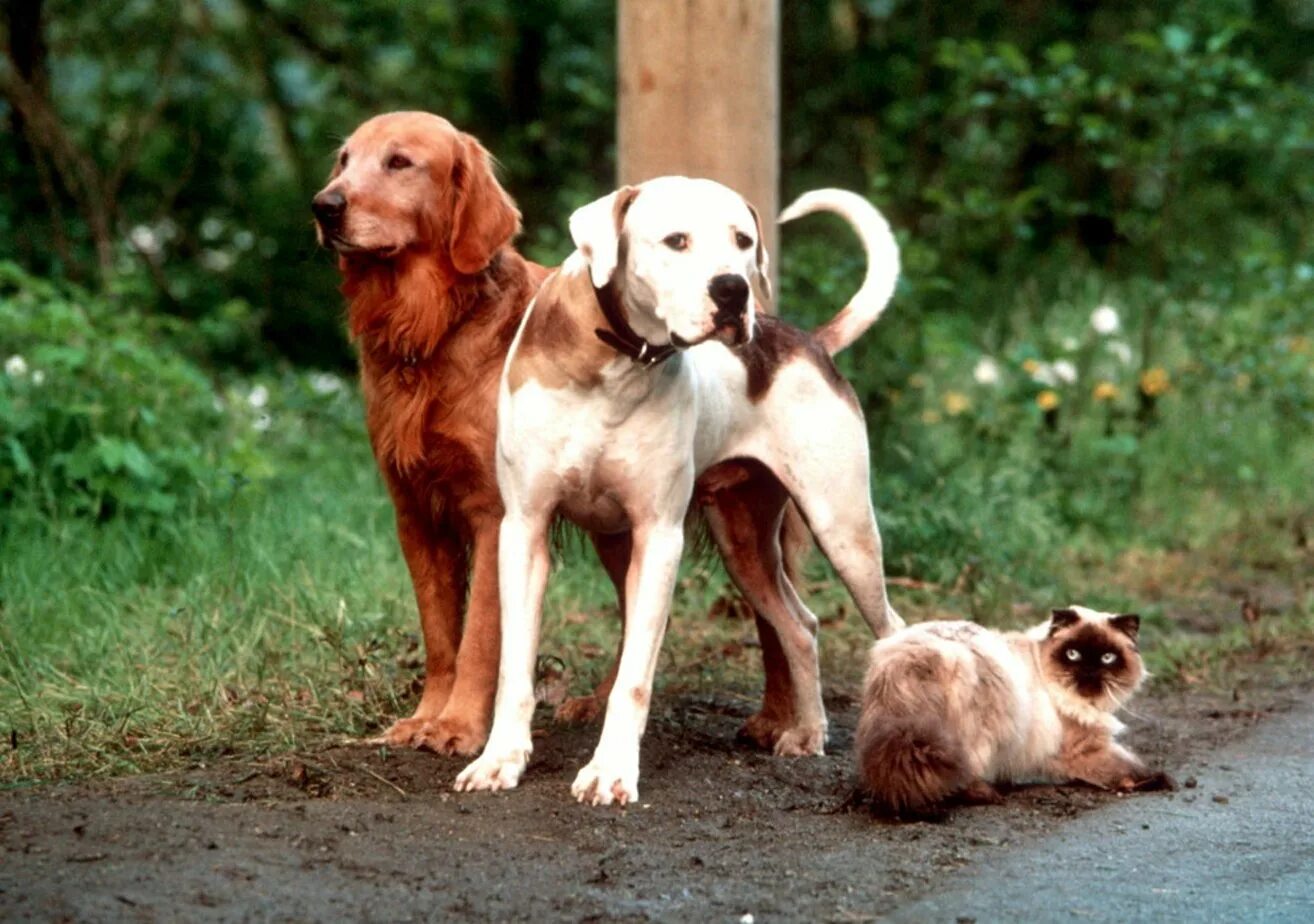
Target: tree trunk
<point>699,94</point>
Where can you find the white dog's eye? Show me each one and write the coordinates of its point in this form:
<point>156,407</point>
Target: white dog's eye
<point>743,240</point>
<point>1073,654</point>
<point>398,162</point>
<point>677,241</point>
<point>1108,657</point>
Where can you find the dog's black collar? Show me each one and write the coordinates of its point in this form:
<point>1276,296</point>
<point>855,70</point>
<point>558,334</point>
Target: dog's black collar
<point>621,337</point>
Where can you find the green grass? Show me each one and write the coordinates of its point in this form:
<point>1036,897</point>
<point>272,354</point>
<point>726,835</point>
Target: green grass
<point>284,620</point>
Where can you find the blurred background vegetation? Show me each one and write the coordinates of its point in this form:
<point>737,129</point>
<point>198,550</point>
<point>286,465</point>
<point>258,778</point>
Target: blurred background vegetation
<point>1101,346</point>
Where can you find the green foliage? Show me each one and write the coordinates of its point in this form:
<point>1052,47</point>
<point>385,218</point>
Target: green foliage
<point>99,411</point>
<point>102,412</point>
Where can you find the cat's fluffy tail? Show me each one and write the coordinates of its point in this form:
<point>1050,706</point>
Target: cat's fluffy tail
<point>907,764</point>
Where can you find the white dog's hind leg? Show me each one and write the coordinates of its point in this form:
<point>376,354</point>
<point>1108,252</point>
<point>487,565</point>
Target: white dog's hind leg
<point>523,563</point>
<point>826,468</point>
<point>613,773</point>
<point>845,528</point>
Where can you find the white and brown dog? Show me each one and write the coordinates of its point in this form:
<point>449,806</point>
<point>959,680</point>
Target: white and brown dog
<point>640,365</point>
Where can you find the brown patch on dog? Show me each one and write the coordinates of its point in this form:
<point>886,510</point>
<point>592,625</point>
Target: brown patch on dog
<point>776,343</point>
<point>558,346</point>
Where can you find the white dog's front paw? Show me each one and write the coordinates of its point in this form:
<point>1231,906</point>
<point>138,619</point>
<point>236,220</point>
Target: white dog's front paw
<point>493,770</point>
<point>604,782</point>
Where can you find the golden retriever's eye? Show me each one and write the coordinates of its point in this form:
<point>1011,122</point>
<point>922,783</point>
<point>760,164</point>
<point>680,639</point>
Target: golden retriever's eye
<point>398,162</point>
<point>677,241</point>
<point>342,159</point>
<point>743,240</point>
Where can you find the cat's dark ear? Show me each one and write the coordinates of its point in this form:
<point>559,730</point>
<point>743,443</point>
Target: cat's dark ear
<point>1061,619</point>
<point>1129,624</point>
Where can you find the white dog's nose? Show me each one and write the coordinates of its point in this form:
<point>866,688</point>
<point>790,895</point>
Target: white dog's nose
<point>728,291</point>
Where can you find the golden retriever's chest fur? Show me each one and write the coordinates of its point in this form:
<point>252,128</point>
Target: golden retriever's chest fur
<point>431,356</point>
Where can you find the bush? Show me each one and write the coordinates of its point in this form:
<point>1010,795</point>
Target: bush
<point>100,411</point>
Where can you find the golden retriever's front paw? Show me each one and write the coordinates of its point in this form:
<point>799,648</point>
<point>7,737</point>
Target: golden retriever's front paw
<point>580,710</point>
<point>442,735</point>
<point>404,733</point>
<point>495,769</point>
<point>452,735</point>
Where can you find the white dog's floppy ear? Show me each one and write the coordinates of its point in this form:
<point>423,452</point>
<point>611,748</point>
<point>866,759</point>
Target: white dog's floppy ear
<point>763,258</point>
<point>595,228</point>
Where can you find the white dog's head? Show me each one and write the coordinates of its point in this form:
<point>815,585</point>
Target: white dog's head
<point>681,252</point>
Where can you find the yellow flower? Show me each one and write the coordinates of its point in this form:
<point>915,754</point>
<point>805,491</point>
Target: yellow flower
<point>1106,391</point>
<point>917,380</point>
<point>1048,400</point>
<point>1154,381</point>
<point>955,402</point>
<point>1030,366</point>
<point>930,417</point>
<point>1242,381</point>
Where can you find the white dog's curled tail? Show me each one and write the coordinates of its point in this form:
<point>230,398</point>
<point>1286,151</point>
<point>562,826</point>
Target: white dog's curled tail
<point>869,302</point>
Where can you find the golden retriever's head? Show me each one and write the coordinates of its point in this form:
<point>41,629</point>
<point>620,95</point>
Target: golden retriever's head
<point>410,182</point>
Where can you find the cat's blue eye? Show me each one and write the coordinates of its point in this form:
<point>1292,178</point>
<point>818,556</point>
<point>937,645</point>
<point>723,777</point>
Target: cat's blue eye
<point>1073,654</point>
<point>1108,657</point>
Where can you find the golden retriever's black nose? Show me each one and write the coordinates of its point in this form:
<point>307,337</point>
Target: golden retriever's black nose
<point>729,292</point>
<point>328,207</point>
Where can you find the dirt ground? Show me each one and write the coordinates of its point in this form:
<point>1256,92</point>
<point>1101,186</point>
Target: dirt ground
<point>722,831</point>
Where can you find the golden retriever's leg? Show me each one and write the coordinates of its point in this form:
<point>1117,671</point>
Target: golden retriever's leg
<point>746,522</point>
<point>462,727</point>
<point>614,551</point>
<point>437,563</point>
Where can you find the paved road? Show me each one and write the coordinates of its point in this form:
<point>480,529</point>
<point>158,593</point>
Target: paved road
<point>1240,847</point>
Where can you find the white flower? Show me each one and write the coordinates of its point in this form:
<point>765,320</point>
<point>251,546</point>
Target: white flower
<point>1065,372</point>
<point>259,397</point>
<point>986,371</point>
<point>15,367</point>
<point>325,383</point>
<point>145,239</point>
<point>1045,374</point>
<point>38,376</point>
<point>262,422</point>
<point>1121,350</point>
<point>1104,320</point>
<point>217,261</point>
<point>211,228</point>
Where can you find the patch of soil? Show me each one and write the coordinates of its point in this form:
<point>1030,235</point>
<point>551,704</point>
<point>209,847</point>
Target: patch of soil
<point>721,831</point>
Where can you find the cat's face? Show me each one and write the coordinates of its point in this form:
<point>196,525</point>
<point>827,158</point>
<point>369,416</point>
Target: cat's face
<point>1093,655</point>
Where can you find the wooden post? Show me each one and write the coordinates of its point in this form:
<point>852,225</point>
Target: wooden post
<point>699,85</point>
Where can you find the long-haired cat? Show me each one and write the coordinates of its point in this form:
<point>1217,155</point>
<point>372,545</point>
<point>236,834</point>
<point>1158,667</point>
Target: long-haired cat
<point>951,707</point>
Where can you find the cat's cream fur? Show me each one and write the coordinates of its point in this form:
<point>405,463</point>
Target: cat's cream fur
<point>951,707</point>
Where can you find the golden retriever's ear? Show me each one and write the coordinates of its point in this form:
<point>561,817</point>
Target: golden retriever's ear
<point>483,217</point>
